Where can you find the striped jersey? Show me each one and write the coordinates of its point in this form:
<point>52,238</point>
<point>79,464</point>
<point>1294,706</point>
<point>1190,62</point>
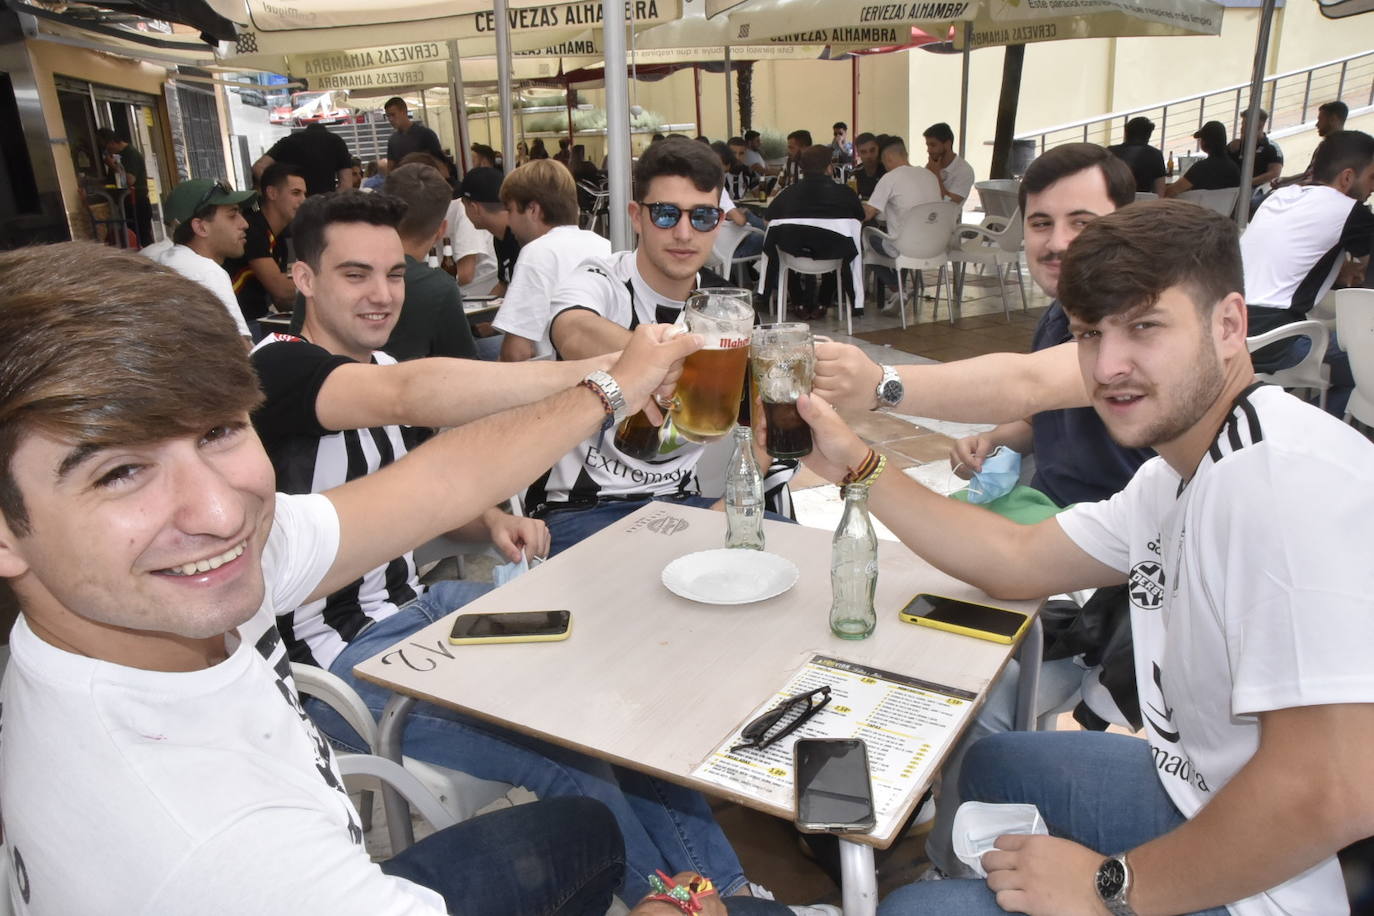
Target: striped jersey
<point>308,458</point>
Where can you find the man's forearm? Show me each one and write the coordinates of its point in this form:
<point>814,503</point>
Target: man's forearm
<point>995,388</point>
<point>579,334</point>
<point>451,392</point>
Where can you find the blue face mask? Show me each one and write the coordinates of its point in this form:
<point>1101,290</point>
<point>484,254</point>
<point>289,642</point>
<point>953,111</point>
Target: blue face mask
<point>1001,470</point>
<point>502,574</point>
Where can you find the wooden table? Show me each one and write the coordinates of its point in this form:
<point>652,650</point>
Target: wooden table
<point>639,657</point>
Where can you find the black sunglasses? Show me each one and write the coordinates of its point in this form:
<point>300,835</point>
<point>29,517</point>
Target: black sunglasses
<point>702,218</point>
<point>218,187</point>
<point>774,725</point>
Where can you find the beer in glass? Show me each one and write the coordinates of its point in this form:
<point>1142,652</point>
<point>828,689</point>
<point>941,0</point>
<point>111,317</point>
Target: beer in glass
<point>706,402</point>
<point>783,359</point>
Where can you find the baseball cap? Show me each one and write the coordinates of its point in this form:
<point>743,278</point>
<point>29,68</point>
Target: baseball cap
<point>483,185</point>
<point>190,197</point>
<point>1213,133</point>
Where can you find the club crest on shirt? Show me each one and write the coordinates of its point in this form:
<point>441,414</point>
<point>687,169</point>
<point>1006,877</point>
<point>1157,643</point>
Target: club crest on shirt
<point>1146,585</point>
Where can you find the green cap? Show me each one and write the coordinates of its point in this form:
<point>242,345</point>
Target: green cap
<point>190,197</point>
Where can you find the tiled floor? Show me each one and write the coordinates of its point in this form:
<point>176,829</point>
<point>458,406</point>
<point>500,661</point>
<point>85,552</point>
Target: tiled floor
<point>770,848</point>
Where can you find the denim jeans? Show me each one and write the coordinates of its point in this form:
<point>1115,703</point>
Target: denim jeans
<point>561,856</point>
<point>752,244</point>
<point>1095,788</point>
<point>887,276</point>
<point>1337,362</point>
<point>1059,685</point>
<point>570,526</point>
<point>664,826</point>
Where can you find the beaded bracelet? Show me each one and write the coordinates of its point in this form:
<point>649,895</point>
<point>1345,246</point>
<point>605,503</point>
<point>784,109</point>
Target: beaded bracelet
<point>686,897</point>
<point>595,389</point>
<point>868,470</point>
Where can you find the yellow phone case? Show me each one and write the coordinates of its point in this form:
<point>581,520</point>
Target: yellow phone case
<point>491,640</point>
<point>969,631</point>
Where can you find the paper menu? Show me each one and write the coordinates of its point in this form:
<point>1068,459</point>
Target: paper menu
<point>906,723</point>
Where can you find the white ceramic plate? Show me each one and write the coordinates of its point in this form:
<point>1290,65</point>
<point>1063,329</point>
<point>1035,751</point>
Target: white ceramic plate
<point>724,576</point>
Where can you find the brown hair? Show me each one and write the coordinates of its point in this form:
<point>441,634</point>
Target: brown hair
<point>1072,158</point>
<point>680,157</point>
<point>547,183</point>
<point>427,196</point>
<point>815,160</point>
<point>1124,260</point>
<point>103,347</point>
<point>420,157</point>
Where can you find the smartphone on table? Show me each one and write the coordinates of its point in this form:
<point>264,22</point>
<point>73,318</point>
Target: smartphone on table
<point>517,626</point>
<point>965,617</point>
<point>833,791</point>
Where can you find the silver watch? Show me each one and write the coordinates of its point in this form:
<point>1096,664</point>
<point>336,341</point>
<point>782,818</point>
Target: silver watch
<point>611,389</point>
<point>890,389</point>
<point>1113,883</point>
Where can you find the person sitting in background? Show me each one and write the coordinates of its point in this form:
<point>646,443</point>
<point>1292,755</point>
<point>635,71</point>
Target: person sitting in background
<point>952,171</point>
<point>537,150</point>
<point>582,168</point>
<point>481,196</point>
<point>739,180</point>
<point>472,251</point>
<point>484,157</point>
<point>1297,246</point>
<point>841,150</point>
<point>373,176</point>
<point>356,169</point>
<point>1268,157</point>
<point>1330,119</point>
<point>815,197</point>
<point>563,153</point>
<point>1216,172</point>
<point>1146,162</point>
<point>259,276</point>
<point>541,208</point>
<point>902,187</point>
<point>797,141</point>
<point>870,168</point>
<point>209,229</point>
<point>753,154</point>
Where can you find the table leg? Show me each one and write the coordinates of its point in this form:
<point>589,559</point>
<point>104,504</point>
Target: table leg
<point>858,879</point>
<point>389,733</point>
<point>1029,655</point>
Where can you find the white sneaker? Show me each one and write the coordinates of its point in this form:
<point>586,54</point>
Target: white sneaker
<point>761,892</point>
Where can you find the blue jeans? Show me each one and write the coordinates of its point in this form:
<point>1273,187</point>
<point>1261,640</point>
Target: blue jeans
<point>570,526</point>
<point>1336,360</point>
<point>664,826</point>
<point>752,244</point>
<point>884,275</point>
<point>1059,684</point>
<point>1095,788</point>
<point>561,856</point>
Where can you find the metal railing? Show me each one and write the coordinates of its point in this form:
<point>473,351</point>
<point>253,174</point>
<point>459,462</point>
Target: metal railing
<point>1290,98</point>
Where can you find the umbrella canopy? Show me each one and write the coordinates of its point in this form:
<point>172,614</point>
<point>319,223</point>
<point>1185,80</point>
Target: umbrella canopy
<point>995,22</point>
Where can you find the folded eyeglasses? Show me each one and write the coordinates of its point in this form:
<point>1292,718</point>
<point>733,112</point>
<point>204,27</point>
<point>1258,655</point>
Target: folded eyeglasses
<point>782,720</point>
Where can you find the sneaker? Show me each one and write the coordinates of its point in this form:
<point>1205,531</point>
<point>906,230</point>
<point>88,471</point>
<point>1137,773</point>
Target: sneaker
<point>933,874</point>
<point>761,892</point>
<point>817,909</point>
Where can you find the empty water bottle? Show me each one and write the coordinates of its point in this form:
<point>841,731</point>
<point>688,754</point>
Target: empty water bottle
<point>744,495</point>
<point>853,568</point>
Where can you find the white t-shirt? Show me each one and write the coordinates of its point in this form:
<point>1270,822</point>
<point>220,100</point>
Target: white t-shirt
<point>752,158</point>
<point>1296,243</point>
<point>612,288</point>
<point>206,792</point>
<point>543,264</point>
<point>468,239</point>
<point>901,189</point>
<point>207,273</point>
<point>1250,591</point>
<point>958,177</point>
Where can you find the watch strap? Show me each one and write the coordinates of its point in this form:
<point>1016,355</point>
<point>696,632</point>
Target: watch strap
<point>1116,903</point>
<point>604,386</point>
<point>890,389</point>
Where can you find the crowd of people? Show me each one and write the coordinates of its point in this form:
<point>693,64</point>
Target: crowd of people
<point>188,504</point>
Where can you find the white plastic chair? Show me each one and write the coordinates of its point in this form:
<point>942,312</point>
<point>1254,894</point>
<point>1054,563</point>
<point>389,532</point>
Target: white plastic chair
<point>1355,328</point>
<point>999,196</point>
<point>922,241</point>
<point>460,794</point>
<point>812,268</point>
<point>996,243</point>
<point>1310,374</point>
<point>1222,200</point>
<point>728,240</point>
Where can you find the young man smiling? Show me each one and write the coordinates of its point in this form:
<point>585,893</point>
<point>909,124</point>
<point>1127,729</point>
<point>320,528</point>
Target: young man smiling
<point>1248,617</point>
<point>152,735</point>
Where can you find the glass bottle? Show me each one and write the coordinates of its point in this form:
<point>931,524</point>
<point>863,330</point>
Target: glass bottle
<point>432,259</point>
<point>853,568</point>
<point>1169,166</point>
<point>638,437</point>
<point>744,495</point>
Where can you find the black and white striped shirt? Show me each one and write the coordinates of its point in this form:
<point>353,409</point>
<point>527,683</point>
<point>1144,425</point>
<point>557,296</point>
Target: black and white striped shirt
<point>309,458</point>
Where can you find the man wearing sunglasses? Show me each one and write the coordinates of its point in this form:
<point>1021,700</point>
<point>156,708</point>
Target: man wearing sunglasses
<point>209,229</point>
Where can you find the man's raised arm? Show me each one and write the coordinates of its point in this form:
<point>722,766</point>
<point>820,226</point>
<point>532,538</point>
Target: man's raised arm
<point>1003,558</point>
<point>453,478</point>
<point>996,388</point>
<point>578,333</point>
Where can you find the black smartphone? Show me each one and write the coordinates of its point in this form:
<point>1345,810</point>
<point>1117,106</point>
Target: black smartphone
<point>519,626</point>
<point>834,794</point>
<point>965,617</point>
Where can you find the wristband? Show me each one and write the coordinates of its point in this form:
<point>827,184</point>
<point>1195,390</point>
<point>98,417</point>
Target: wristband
<point>605,387</point>
<point>868,470</point>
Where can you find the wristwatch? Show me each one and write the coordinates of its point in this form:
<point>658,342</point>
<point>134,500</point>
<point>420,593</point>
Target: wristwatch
<point>890,389</point>
<point>1113,884</point>
<point>610,393</point>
